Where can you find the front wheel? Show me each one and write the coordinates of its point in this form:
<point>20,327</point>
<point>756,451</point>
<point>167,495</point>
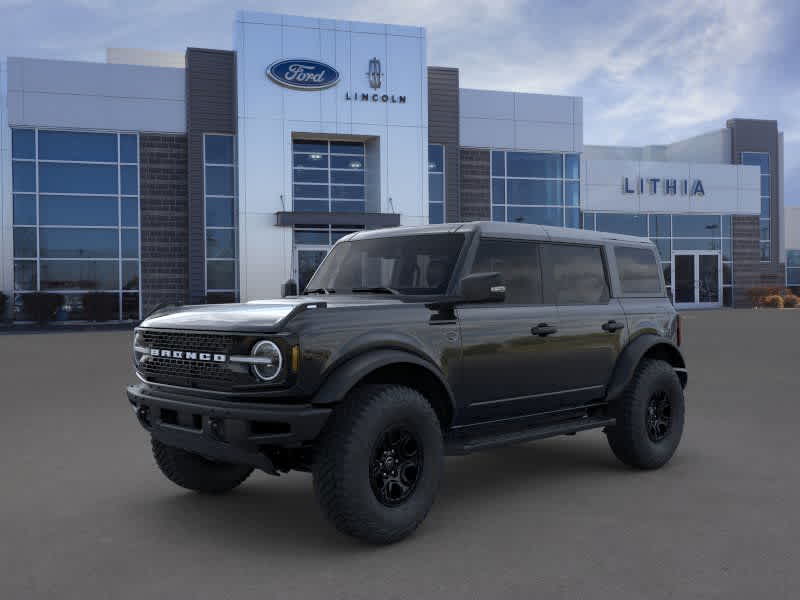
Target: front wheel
<point>378,463</point>
<point>649,416</point>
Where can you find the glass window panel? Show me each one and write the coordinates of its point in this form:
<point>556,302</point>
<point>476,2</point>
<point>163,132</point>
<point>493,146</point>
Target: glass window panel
<point>344,162</point>
<point>77,210</point>
<point>316,161</point>
<point>660,226</point>
<point>312,175</point>
<point>336,235</point>
<point>130,212</point>
<point>498,163</point>
<point>347,192</point>
<point>759,159</point>
<point>638,270</point>
<point>25,275</point>
<point>347,148</point>
<point>221,274</point>
<point>727,273</point>
<point>316,238</point>
<point>664,248</point>
<point>628,224</point>
<point>532,164</point>
<point>498,213</point>
<point>130,306</point>
<point>129,180</point>
<point>588,221</point>
<point>436,213</point>
<point>219,149</point>
<point>572,189</point>
<point>537,215</point>
<point>356,177</point>
<point>219,181</point>
<point>220,243</point>
<point>310,146</point>
<point>572,217</point>
<point>793,277</point>
<point>526,191</point>
<point>498,191</point>
<point>130,274</point>
<point>23,176</point>
<point>765,185</point>
<point>766,251</point>
<point>348,206</point>
<point>80,275</point>
<point>695,244</point>
<point>311,205</point>
<point>573,166</point>
<point>25,242</point>
<point>574,275</point>
<point>435,158</point>
<point>310,191</point>
<point>793,258</point>
<point>765,207</point>
<point>436,187</point>
<point>219,212</point>
<point>128,148</point>
<point>518,265</point>
<point>24,209</point>
<point>727,296</point>
<point>727,226</point>
<point>23,143</point>
<point>77,179</point>
<point>77,145</point>
<point>220,297</point>
<point>763,229</point>
<point>130,243</point>
<point>78,243</point>
<point>696,226</point>
<point>727,249</point>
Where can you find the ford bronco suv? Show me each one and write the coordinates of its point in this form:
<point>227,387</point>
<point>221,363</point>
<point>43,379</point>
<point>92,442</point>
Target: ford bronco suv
<point>409,344</point>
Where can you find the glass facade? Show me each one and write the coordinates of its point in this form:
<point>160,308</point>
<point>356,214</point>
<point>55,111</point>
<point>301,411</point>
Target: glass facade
<point>76,219</point>
<point>761,160</point>
<point>536,187</point>
<point>328,176</point>
<point>435,183</point>
<point>219,158</point>
<point>793,268</point>
<point>674,233</point>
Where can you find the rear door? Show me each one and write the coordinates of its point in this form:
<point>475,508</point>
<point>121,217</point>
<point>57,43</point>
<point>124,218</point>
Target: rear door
<point>592,324</point>
<point>508,368</point>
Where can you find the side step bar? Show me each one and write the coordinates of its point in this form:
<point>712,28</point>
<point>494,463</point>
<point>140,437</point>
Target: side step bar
<point>474,444</point>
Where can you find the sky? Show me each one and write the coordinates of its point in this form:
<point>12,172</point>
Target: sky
<point>649,72</point>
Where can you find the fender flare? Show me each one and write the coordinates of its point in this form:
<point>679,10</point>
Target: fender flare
<point>346,375</point>
<point>630,357</point>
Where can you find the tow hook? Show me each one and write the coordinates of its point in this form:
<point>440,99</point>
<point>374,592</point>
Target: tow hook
<point>143,414</point>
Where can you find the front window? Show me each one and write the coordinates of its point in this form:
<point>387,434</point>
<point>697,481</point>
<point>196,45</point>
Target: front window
<point>407,265</point>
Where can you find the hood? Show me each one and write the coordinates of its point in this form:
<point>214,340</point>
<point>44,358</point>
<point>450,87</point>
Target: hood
<point>257,316</point>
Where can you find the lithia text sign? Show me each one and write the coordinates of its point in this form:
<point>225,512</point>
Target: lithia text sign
<point>667,186</point>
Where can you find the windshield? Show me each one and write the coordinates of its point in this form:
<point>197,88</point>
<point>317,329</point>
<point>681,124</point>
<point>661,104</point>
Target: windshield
<point>409,264</point>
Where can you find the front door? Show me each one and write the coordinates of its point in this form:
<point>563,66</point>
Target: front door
<point>697,279</point>
<point>307,261</point>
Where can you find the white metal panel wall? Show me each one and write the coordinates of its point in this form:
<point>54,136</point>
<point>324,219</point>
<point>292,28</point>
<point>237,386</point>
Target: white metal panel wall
<point>491,119</point>
<point>83,95</point>
<point>729,189</point>
<point>269,115</point>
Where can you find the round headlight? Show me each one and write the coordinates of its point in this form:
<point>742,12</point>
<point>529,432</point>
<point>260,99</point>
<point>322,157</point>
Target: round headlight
<point>139,350</point>
<point>267,361</point>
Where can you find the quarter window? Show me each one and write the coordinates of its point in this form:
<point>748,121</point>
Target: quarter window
<point>638,271</point>
<point>574,274</point>
<point>518,265</point>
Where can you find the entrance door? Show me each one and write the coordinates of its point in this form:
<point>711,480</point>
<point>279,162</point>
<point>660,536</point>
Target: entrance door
<point>308,259</point>
<point>697,279</point>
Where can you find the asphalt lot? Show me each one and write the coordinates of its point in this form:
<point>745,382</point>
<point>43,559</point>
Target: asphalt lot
<point>84,513</point>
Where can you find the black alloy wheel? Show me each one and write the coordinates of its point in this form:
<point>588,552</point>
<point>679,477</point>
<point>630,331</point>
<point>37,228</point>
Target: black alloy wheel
<point>396,465</point>
<point>659,416</point>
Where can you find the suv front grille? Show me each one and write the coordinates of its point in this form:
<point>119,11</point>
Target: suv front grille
<point>182,371</point>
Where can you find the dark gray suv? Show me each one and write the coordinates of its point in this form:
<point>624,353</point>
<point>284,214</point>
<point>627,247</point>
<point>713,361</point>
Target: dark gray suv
<point>410,344</point>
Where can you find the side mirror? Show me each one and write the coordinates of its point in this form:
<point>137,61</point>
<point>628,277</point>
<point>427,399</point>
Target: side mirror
<point>483,287</point>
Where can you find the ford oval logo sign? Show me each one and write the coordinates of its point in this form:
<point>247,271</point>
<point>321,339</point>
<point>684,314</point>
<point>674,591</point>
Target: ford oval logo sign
<point>303,74</point>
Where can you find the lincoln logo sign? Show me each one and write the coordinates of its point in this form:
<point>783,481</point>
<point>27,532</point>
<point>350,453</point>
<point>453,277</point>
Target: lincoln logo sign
<point>669,187</point>
<point>186,355</point>
<point>302,74</point>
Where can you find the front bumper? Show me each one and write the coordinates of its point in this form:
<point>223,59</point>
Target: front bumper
<point>232,432</point>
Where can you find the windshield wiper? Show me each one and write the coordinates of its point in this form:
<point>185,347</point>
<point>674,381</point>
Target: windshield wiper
<point>375,290</point>
<point>321,290</point>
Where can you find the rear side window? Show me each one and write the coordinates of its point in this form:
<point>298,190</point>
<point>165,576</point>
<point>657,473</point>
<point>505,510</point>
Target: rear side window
<point>518,265</point>
<point>574,274</point>
<point>638,271</point>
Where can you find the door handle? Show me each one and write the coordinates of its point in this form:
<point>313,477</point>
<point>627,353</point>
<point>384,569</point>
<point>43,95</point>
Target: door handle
<point>543,329</point>
<point>612,326</point>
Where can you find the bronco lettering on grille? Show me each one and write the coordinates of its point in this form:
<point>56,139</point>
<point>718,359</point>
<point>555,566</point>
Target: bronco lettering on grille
<point>187,355</point>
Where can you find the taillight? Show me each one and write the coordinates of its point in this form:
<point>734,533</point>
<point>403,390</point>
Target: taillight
<point>678,333</point>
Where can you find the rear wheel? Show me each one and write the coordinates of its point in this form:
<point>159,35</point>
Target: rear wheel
<point>650,415</point>
<point>378,463</point>
<point>197,473</point>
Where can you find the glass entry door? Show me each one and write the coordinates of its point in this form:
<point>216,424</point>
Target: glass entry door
<point>697,279</point>
<point>308,259</point>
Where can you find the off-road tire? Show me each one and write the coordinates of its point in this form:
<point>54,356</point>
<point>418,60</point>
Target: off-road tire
<point>629,438</point>
<point>194,472</point>
<point>344,456</point>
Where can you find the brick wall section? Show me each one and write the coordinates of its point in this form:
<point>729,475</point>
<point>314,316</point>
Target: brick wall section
<point>475,199</point>
<point>443,128</point>
<point>746,254</point>
<point>164,221</point>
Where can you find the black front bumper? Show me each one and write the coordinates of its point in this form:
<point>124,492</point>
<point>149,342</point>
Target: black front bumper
<point>232,432</point>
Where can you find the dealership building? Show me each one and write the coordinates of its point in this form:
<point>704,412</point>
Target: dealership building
<point>216,175</point>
